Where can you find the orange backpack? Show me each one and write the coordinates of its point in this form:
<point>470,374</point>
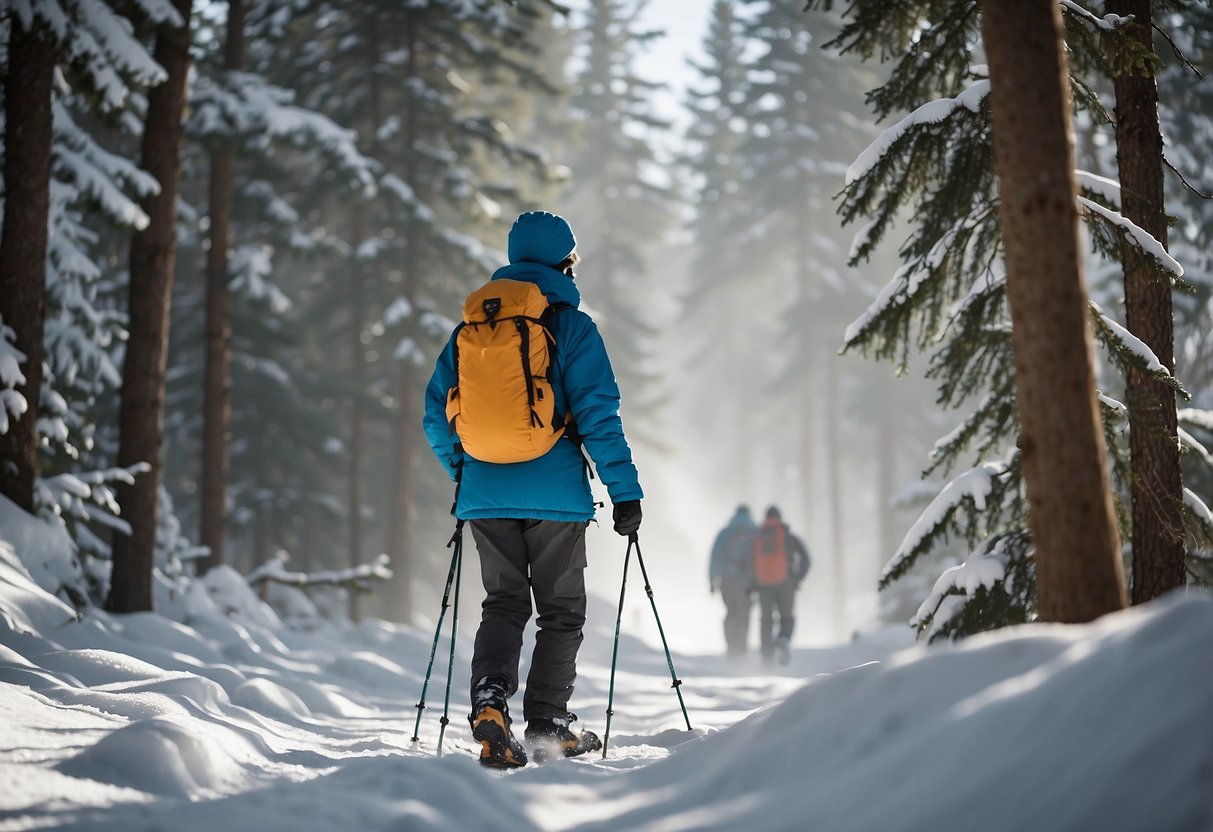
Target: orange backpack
<point>771,566</point>
<point>502,406</point>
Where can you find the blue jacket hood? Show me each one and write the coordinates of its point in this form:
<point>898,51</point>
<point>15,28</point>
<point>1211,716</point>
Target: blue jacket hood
<point>558,286</point>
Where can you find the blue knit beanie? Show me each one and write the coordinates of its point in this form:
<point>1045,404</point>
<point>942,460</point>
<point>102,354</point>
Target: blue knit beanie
<point>540,237</point>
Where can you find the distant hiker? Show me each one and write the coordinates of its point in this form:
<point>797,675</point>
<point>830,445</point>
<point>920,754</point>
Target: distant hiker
<point>523,385</point>
<point>730,570</point>
<point>781,562</point>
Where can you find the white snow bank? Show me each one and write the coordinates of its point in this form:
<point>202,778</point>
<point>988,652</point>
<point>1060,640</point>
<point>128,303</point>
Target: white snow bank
<point>159,757</point>
<point>1043,727</point>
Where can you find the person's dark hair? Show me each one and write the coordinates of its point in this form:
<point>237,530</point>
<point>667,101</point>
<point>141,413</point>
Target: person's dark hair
<point>566,265</point>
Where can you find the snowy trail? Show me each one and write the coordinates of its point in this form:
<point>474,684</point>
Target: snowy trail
<point>140,723</point>
<point>177,751</point>
<point>143,723</point>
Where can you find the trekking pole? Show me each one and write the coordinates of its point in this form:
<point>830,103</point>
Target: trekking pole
<point>446,597</point>
<point>606,737</point>
<point>450,668</point>
<point>648,590</point>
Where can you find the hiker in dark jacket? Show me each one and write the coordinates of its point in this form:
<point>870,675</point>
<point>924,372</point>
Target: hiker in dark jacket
<point>781,562</point>
<point>730,572</point>
<point>529,518</point>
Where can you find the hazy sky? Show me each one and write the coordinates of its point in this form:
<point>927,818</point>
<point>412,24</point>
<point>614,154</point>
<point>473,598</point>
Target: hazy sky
<point>685,23</point>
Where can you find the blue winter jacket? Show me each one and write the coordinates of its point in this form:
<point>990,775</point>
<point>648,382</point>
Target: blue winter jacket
<point>556,485</point>
<point>732,551</point>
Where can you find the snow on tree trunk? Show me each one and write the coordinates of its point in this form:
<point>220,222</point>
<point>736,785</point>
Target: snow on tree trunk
<point>1061,441</point>
<point>217,379</point>
<point>141,418</point>
<point>1158,548</point>
<point>27,168</point>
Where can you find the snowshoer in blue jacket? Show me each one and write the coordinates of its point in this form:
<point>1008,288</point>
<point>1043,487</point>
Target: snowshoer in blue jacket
<point>529,518</point>
<point>730,571</point>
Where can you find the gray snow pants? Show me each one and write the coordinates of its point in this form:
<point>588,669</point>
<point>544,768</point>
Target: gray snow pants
<point>735,592</point>
<point>775,608</point>
<point>519,558</point>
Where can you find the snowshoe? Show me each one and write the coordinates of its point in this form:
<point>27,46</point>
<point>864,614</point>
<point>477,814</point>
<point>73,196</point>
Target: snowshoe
<point>491,725</point>
<point>552,738</point>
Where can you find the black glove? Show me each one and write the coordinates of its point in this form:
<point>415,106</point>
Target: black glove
<point>627,517</point>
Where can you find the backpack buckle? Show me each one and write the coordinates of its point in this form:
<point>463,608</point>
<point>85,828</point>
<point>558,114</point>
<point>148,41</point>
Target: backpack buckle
<point>491,307</point>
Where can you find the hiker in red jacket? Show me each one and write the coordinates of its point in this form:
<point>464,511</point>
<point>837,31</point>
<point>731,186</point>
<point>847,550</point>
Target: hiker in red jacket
<point>781,561</point>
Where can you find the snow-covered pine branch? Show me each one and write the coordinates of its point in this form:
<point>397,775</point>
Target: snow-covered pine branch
<point>1199,519</point>
<point>1127,347</point>
<point>1107,23</point>
<point>1137,236</point>
<point>11,358</point>
<point>73,500</point>
<point>359,578</point>
<point>1190,444</point>
<point>970,488</point>
<point>247,107</point>
<point>994,587</point>
<point>1196,418</point>
<point>933,112</point>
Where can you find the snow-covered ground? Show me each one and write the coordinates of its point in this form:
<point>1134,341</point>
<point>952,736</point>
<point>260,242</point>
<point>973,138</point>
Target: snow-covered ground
<point>140,722</point>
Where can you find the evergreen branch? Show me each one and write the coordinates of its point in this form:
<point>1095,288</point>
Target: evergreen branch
<point>1178,54</point>
<point>1184,179</point>
<point>1129,350</point>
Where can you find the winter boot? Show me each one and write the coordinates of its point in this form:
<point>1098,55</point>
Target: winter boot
<point>552,737</point>
<point>490,720</point>
<point>782,654</point>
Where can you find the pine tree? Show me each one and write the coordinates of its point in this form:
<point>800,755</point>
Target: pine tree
<point>151,279</point>
<point>1078,572</point>
<point>101,64</point>
<point>217,390</point>
<point>949,297</point>
<point>280,433</point>
<point>23,241</point>
<point>619,206</point>
<point>1186,102</point>
<point>713,293</point>
<point>1158,550</point>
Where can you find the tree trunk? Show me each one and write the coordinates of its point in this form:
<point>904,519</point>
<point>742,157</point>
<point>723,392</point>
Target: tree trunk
<point>1158,548</point>
<point>141,416</point>
<point>357,381</point>
<point>401,526</point>
<point>1078,569</point>
<point>834,468</point>
<point>217,380</point>
<point>886,473</point>
<point>27,170</point>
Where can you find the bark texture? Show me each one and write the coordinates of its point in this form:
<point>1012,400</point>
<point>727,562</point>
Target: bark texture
<point>141,416</point>
<point>217,378</point>
<point>27,169</point>
<point>1158,548</point>
<point>1078,571</point>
